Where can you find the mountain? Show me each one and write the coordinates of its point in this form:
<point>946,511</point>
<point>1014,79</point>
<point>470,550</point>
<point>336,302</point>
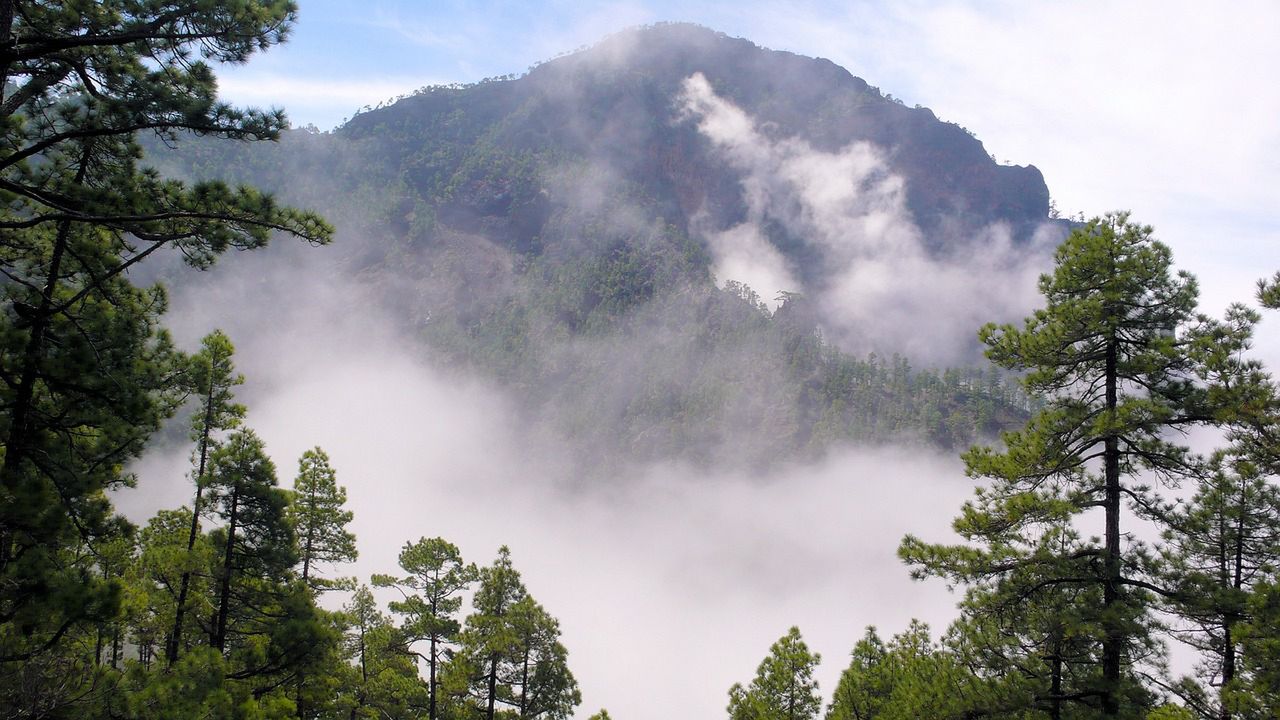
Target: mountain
<point>597,235</point>
<point>614,103</point>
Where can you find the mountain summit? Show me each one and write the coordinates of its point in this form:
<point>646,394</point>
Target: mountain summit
<point>617,103</point>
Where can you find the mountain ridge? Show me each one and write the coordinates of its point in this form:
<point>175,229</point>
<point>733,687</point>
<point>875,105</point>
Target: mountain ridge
<point>565,233</point>
<point>950,174</point>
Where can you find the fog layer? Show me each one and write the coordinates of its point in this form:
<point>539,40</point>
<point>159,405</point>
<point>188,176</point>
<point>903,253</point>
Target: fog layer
<point>669,587</point>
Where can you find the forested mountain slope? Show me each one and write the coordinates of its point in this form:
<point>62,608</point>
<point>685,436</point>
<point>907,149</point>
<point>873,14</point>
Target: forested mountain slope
<point>577,232</point>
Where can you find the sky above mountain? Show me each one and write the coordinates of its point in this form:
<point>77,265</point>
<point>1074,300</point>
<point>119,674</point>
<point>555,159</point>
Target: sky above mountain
<point>1164,108</point>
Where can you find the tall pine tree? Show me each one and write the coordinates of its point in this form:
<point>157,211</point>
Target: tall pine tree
<point>510,661</point>
<point>212,377</point>
<point>87,374</point>
<point>1111,354</point>
<point>784,688</point>
<point>255,544</point>
<point>1218,546</point>
<point>430,600</point>
<point>318,514</point>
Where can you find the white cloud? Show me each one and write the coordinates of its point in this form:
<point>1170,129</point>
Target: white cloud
<point>744,255</point>
<point>321,101</point>
<point>886,293</point>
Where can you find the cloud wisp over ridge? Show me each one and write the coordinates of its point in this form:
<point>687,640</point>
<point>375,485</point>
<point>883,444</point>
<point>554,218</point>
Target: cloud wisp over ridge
<point>884,289</point>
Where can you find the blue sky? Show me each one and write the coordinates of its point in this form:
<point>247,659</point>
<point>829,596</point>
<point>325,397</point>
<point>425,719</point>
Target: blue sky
<point>1169,109</point>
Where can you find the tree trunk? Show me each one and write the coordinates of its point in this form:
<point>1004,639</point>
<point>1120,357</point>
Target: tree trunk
<point>1055,681</point>
<point>1113,638</point>
<point>117,647</point>
<point>1228,624</point>
<point>306,574</point>
<point>524,681</point>
<point>175,638</point>
<point>309,546</point>
<point>431,695</point>
<point>791,694</point>
<point>224,596</point>
<point>361,697</point>
<point>493,685</point>
<point>15,445</point>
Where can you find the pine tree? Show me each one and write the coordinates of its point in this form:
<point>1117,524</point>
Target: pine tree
<point>784,688</point>
<point>909,677</point>
<point>255,544</point>
<point>430,599</point>
<point>1218,546</point>
<point>212,376</point>
<point>543,686</point>
<point>509,654</point>
<point>76,407</point>
<point>1261,646</point>
<point>319,519</point>
<point>164,558</point>
<point>88,375</point>
<point>264,619</point>
<point>476,677</point>
<point>81,80</point>
<point>1111,354</point>
<point>382,680</point>
<point>863,687</point>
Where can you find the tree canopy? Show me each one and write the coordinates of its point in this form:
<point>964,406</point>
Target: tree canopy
<point>1125,363</point>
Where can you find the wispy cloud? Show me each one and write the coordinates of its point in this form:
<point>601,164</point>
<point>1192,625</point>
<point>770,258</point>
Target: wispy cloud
<point>1165,108</point>
<point>412,28</point>
<point>884,291</point>
<point>311,99</point>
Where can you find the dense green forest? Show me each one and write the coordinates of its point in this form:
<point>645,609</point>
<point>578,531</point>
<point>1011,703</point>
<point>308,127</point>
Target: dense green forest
<point>238,606</point>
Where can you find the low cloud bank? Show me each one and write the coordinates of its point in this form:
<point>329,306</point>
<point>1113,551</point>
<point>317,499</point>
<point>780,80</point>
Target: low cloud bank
<point>669,587</point>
